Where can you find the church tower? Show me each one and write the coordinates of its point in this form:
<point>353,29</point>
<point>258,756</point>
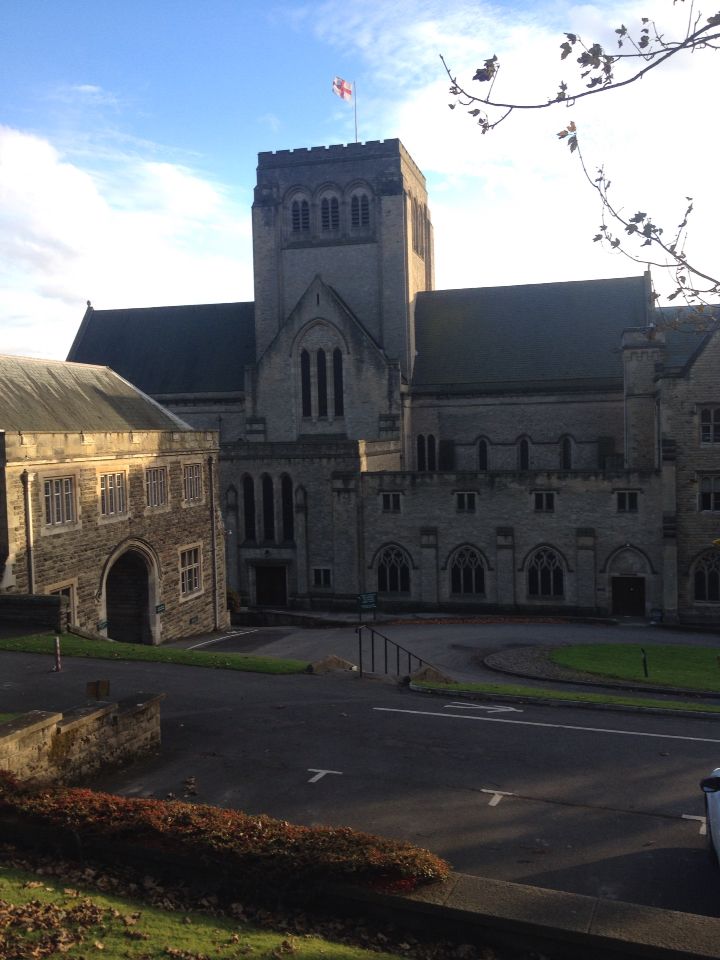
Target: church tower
<point>355,216</point>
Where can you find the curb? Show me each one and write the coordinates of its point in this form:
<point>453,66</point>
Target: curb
<point>553,702</point>
<point>535,919</point>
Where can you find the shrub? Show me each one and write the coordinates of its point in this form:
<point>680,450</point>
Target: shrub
<point>276,855</point>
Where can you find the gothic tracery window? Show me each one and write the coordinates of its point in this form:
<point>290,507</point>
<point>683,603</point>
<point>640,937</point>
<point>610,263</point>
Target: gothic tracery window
<point>467,572</point>
<point>338,386</point>
<point>248,487</point>
<point>329,214</point>
<point>545,574</point>
<point>268,508</point>
<point>288,508</point>
<point>707,578</point>
<point>393,571</point>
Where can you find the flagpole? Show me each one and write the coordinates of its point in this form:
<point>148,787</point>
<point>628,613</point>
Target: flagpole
<point>355,106</point>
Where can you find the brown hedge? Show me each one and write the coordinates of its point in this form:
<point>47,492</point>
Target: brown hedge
<point>272,853</point>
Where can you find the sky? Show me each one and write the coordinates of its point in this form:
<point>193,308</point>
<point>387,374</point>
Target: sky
<point>129,134</point>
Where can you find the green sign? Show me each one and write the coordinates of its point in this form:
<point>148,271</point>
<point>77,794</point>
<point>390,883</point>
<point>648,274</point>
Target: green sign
<point>102,625</point>
<point>160,608</point>
<point>367,601</point>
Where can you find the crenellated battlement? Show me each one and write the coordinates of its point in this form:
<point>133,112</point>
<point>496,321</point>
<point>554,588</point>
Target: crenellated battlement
<point>371,149</point>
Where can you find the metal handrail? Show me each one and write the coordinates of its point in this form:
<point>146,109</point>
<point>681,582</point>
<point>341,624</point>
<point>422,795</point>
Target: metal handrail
<point>388,644</point>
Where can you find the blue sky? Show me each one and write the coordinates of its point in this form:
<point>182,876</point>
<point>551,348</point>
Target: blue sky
<point>129,134</point>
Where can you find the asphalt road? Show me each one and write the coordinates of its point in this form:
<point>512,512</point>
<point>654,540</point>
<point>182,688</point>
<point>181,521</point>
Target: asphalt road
<point>591,802</point>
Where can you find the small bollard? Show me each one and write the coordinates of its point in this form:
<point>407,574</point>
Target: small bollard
<point>58,662</point>
<point>645,666</point>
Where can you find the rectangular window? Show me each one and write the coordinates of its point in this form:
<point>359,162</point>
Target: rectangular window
<point>192,483</point>
<point>112,494</point>
<point>391,503</point>
<point>321,577</point>
<point>59,501</point>
<point>465,502</point>
<point>156,486</point>
<point>544,501</point>
<point>190,579</point>
<point>710,493</point>
<point>627,501</point>
<point>710,425</point>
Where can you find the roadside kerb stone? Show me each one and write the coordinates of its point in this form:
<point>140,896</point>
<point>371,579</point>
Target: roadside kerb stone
<point>538,920</point>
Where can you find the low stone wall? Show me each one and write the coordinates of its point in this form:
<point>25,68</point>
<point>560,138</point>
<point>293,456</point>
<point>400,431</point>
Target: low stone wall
<point>45,747</point>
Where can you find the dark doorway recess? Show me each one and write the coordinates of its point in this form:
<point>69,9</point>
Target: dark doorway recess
<point>270,586</point>
<point>628,596</point>
<point>127,599</point>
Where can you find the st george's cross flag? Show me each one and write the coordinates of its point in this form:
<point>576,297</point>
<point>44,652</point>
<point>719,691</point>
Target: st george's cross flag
<point>342,88</point>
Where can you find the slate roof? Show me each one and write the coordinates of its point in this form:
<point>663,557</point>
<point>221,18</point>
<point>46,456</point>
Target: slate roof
<point>526,338</point>
<point>198,348</point>
<point>49,396</point>
<point>686,332</point>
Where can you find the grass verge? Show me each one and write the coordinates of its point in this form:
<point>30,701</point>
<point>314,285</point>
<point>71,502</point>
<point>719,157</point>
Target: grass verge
<point>4,717</point>
<point>72,646</point>
<point>694,668</point>
<point>44,918</point>
<point>509,690</point>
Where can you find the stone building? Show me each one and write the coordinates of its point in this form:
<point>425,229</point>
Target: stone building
<point>540,447</point>
<point>108,500</point>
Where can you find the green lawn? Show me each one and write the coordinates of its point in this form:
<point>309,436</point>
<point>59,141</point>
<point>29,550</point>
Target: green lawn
<point>517,690</point>
<point>46,918</point>
<point>72,646</point>
<point>4,717</point>
<point>693,668</point>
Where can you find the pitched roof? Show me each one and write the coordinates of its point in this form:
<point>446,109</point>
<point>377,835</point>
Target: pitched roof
<point>49,396</point>
<point>198,348</point>
<point>528,337</point>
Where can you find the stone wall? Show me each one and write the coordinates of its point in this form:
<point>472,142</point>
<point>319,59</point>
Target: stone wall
<point>46,747</point>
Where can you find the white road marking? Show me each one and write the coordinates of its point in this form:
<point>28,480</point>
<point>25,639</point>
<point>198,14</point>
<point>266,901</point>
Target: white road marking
<point>227,636</point>
<point>553,726</point>
<point>491,708</point>
<point>496,796</point>
<point>319,774</point>
<point>702,821</point>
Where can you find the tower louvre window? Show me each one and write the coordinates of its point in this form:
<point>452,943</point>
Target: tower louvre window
<point>360,210</point>
<point>329,214</point>
<point>300,216</point>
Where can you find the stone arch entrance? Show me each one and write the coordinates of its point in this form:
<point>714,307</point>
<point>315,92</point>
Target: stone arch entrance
<point>628,573</point>
<point>127,599</point>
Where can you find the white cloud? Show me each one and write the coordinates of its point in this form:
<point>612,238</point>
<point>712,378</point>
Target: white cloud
<point>134,233</point>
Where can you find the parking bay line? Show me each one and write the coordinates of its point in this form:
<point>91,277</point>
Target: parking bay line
<point>227,636</point>
<point>554,726</point>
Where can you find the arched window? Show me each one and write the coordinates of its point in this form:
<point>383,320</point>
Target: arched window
<point>248,487</point>
<point>322,383</point>
<point>288,508</point>
<point>305,383</point>
<point>268,508</point>
<point>359,210</point>
<point>566,454</point>
<point>545,576</point>
<point>421,455</point>
<point>393,571</point>
<point>338,383</point>
<point>431,458</point>
<point>329,214</point>
<point>523,455</point>
<point>300,216</point>
<point>467,572</point>
<point>707,578</point>
<point>482,455</point>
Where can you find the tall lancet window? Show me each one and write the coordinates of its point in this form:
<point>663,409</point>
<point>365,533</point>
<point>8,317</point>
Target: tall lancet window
<point>322,384</point>
<point>305,384</point>
<point>338,383</point>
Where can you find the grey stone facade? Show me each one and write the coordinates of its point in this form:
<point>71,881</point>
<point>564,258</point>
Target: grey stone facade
<point>537,448</point>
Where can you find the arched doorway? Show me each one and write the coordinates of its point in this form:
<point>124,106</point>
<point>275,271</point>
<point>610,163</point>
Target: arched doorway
<point>628,573</point>
<point>127,596</point>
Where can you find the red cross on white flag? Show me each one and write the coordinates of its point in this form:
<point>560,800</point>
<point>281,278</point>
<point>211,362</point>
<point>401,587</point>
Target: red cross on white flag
<point>342,88</point>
